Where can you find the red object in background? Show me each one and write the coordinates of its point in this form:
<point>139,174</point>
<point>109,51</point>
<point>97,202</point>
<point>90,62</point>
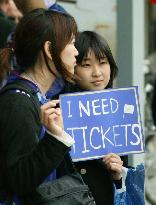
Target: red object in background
<point>152,1</point>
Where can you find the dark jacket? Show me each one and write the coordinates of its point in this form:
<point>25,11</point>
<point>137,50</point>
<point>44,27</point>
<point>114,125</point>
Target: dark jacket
<point>25,161</point>
<point>96,175</point>
<point>6,27</point>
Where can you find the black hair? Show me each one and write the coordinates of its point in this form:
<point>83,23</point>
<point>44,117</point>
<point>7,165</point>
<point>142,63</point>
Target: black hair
<point>91,41</point>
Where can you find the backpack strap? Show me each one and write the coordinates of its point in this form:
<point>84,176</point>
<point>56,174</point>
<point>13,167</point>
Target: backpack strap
<point>19,86</point>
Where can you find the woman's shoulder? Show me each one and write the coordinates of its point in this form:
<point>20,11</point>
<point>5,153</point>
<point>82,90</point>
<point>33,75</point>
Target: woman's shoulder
<point>15,100</point>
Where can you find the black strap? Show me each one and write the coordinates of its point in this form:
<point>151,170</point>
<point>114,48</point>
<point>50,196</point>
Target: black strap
<point>20,85</point>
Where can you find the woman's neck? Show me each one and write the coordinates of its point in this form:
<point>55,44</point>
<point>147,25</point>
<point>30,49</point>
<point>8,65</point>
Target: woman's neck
<point>43,80</point>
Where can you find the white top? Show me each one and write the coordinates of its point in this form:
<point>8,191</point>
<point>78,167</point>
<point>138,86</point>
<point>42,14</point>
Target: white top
<point>65,138</point>
<point>49,3</point>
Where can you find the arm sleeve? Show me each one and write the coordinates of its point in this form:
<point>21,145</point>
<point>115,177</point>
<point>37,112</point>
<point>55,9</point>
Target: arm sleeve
<point>28,160</point>
<point>120,185</point>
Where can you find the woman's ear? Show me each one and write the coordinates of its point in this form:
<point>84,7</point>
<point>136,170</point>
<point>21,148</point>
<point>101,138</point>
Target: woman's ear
<point>47,45</point>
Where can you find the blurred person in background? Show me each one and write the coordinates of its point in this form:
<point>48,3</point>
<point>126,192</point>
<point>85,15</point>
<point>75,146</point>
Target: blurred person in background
<point>13,13</point>
<point>6,24</point>
<point>53,5</point>
<point>27,5</point>
<point>23,7</point>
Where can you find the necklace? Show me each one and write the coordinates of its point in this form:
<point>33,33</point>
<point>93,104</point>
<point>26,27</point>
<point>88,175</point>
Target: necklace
<point>42,98</point>
<point>30,78</point>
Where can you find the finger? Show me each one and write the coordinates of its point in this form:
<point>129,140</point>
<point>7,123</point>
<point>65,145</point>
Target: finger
<point>46,106</point>
<point>113,160</point>
<point>113,164</point>
<point>55,122</point>
<point>50,104</point>
<point>55,117</point>
<point>116,168</point>
<point>117,161</point>
<point>44,116</point>
<point>111,155</point>
<point>51,118</point>
<point>48,113</point>
<point>58,111</point>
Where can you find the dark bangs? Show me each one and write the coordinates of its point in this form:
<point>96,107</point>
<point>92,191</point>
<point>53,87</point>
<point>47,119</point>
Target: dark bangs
<point>85,43</point>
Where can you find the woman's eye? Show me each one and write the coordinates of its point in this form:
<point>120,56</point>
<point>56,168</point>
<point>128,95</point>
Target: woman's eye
<point>104,62</point>
<point>85,65</point>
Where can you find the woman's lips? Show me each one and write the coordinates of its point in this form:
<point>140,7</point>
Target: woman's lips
<point>97,82</point>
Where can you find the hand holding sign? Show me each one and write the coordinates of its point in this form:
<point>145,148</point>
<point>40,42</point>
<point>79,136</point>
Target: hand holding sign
<point>51,117</point>
<point>114,164</point>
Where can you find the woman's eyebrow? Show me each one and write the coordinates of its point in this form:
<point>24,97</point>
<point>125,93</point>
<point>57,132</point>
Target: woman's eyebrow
<point>86,58</point>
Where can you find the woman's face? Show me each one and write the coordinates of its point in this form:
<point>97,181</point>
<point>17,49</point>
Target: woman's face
<point>93,74</point>
<point>68,56</point>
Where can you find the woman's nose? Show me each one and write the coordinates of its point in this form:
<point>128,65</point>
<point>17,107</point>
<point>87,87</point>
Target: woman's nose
<point>96,71</point>
<point>76,52</point>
